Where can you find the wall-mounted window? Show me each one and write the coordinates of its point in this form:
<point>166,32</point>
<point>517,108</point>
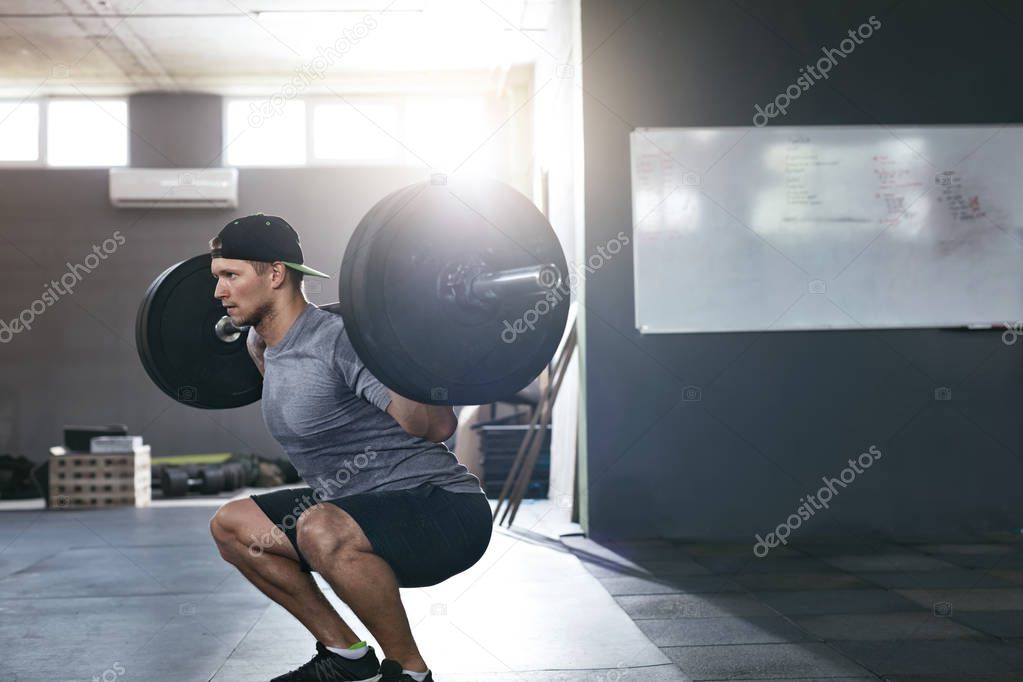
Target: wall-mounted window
<point>361,132</point>
<point>438,131</point>
<point>64,132</point>
<point>19,131</point>
<point>87,132</point>
<point>448,131</point>
<point>265,132</point>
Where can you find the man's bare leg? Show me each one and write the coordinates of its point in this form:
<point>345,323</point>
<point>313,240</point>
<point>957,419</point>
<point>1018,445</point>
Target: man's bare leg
<point>335,546</point>
<point>263,554</point>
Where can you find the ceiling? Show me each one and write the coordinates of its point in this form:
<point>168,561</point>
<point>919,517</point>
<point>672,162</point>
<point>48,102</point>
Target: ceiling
<point>58,47</point>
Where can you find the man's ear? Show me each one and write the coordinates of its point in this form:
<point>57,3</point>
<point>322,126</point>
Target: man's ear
<point>278,275</point>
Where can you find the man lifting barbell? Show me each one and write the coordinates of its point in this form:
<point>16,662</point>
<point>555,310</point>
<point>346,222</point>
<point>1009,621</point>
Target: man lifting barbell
<point>358,394</point>
<point>397,508</point>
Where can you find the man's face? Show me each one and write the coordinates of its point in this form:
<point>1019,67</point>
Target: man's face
<point>244,294</point>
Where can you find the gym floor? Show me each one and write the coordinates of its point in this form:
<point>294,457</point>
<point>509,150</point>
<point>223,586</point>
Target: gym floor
<point>142,594</point>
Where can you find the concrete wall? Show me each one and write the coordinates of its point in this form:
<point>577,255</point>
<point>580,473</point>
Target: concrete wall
<point>781,410</point>
<point>175,130</point>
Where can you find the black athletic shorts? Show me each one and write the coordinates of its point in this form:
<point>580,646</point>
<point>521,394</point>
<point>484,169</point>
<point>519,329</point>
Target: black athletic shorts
<point>426,534</point>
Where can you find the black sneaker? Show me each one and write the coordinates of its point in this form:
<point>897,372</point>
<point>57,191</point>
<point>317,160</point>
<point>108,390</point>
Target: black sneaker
<point>327,666</point>
<point>391,671</point>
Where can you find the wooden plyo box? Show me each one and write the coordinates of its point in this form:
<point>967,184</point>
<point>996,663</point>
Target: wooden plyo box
<point>80,480</point>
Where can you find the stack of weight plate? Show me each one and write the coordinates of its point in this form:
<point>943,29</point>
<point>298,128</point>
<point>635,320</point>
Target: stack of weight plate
<point>500,444</point>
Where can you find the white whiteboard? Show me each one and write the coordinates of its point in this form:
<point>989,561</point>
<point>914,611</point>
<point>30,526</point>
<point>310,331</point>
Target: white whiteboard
<point>830,227</point>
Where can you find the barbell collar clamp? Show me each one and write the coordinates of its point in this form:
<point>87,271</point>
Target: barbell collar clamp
<point>226,331</point>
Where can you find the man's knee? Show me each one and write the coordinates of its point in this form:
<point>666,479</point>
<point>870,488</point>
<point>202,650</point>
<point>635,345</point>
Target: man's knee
<point>226,527</point>
<point>220,525</point>
<point>327,531</point>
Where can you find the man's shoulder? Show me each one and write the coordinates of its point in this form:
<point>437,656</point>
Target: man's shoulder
<point>320,329</point>
<point>329,328</point>
<point>326,320</point>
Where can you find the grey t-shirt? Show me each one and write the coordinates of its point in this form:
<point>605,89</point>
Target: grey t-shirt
<point>328,413</point>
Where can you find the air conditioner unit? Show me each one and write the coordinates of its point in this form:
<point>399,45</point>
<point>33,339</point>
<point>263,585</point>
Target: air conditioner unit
<point>174,187</point>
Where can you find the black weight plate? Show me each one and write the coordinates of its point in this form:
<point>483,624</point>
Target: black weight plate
<point>177,344</point>
<point>174,482</point>
<point>232,476</point>
<point>228,477</point>
<point>211,480</point>
<point>429,349</point>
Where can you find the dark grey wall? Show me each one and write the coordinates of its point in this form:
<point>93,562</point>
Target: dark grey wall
<point>780,410</point>
<point>175,130</point>
<point>77,363</point>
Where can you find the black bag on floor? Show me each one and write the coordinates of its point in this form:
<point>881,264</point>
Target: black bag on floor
<point>16,478</point>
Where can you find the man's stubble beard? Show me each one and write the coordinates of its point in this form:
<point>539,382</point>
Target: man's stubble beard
<point>256,318</point>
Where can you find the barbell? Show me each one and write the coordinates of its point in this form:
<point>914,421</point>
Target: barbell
<point>452,293</point>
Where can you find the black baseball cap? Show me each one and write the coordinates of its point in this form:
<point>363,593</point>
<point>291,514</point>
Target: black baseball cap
<point>265,238</point>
